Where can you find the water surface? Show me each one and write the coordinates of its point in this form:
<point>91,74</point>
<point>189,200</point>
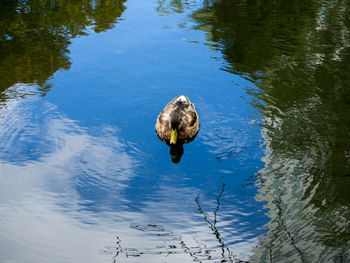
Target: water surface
<point>84,177</point>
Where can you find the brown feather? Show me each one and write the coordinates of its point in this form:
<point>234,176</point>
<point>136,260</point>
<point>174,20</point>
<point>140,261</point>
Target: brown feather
<point>189,126</point>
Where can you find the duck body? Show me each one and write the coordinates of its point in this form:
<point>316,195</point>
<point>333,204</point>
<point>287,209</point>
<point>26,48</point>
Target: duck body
<point>178,122</point>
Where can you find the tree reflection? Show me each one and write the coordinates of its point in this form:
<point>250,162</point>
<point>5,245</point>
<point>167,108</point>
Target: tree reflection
<point>34,35</point>
<point>166,7</point>
<point>298,54</point>
<point>226,253</point>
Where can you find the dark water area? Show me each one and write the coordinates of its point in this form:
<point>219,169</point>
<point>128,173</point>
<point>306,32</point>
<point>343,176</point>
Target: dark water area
<point>84,177</point>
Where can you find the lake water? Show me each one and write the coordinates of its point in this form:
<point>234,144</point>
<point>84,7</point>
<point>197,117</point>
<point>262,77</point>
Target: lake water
<point>84,177</point>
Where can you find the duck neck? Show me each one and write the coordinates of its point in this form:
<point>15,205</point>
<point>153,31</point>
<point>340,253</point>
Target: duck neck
<point>175,121</point>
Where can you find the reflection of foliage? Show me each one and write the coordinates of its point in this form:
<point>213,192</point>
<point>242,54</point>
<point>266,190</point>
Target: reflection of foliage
<point>254,33</point>
<point>299,53</point>
<point>166,7</point>
<point>34,35</point>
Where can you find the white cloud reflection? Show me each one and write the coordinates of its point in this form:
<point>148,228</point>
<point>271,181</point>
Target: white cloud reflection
<point>63,198</point>
<point>45,157</point>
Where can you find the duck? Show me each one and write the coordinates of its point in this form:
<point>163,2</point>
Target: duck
<point>178,123</point>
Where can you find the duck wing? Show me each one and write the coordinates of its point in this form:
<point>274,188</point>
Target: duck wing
<point>163,123</point>
<point>190,121</point>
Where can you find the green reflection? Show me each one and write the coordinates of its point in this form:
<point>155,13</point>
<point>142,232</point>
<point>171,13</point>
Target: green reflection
<point>298,53</point>
<point>35,34</point>
<point>167,7</point>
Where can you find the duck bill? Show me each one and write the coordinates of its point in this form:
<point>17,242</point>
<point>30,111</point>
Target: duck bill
<point>173,136</point>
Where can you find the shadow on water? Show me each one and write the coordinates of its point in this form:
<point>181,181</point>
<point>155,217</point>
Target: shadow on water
<point>176,152</point>
<point>298,53</point>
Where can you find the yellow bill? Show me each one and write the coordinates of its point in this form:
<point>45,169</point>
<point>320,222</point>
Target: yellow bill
<point>173,136</point>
